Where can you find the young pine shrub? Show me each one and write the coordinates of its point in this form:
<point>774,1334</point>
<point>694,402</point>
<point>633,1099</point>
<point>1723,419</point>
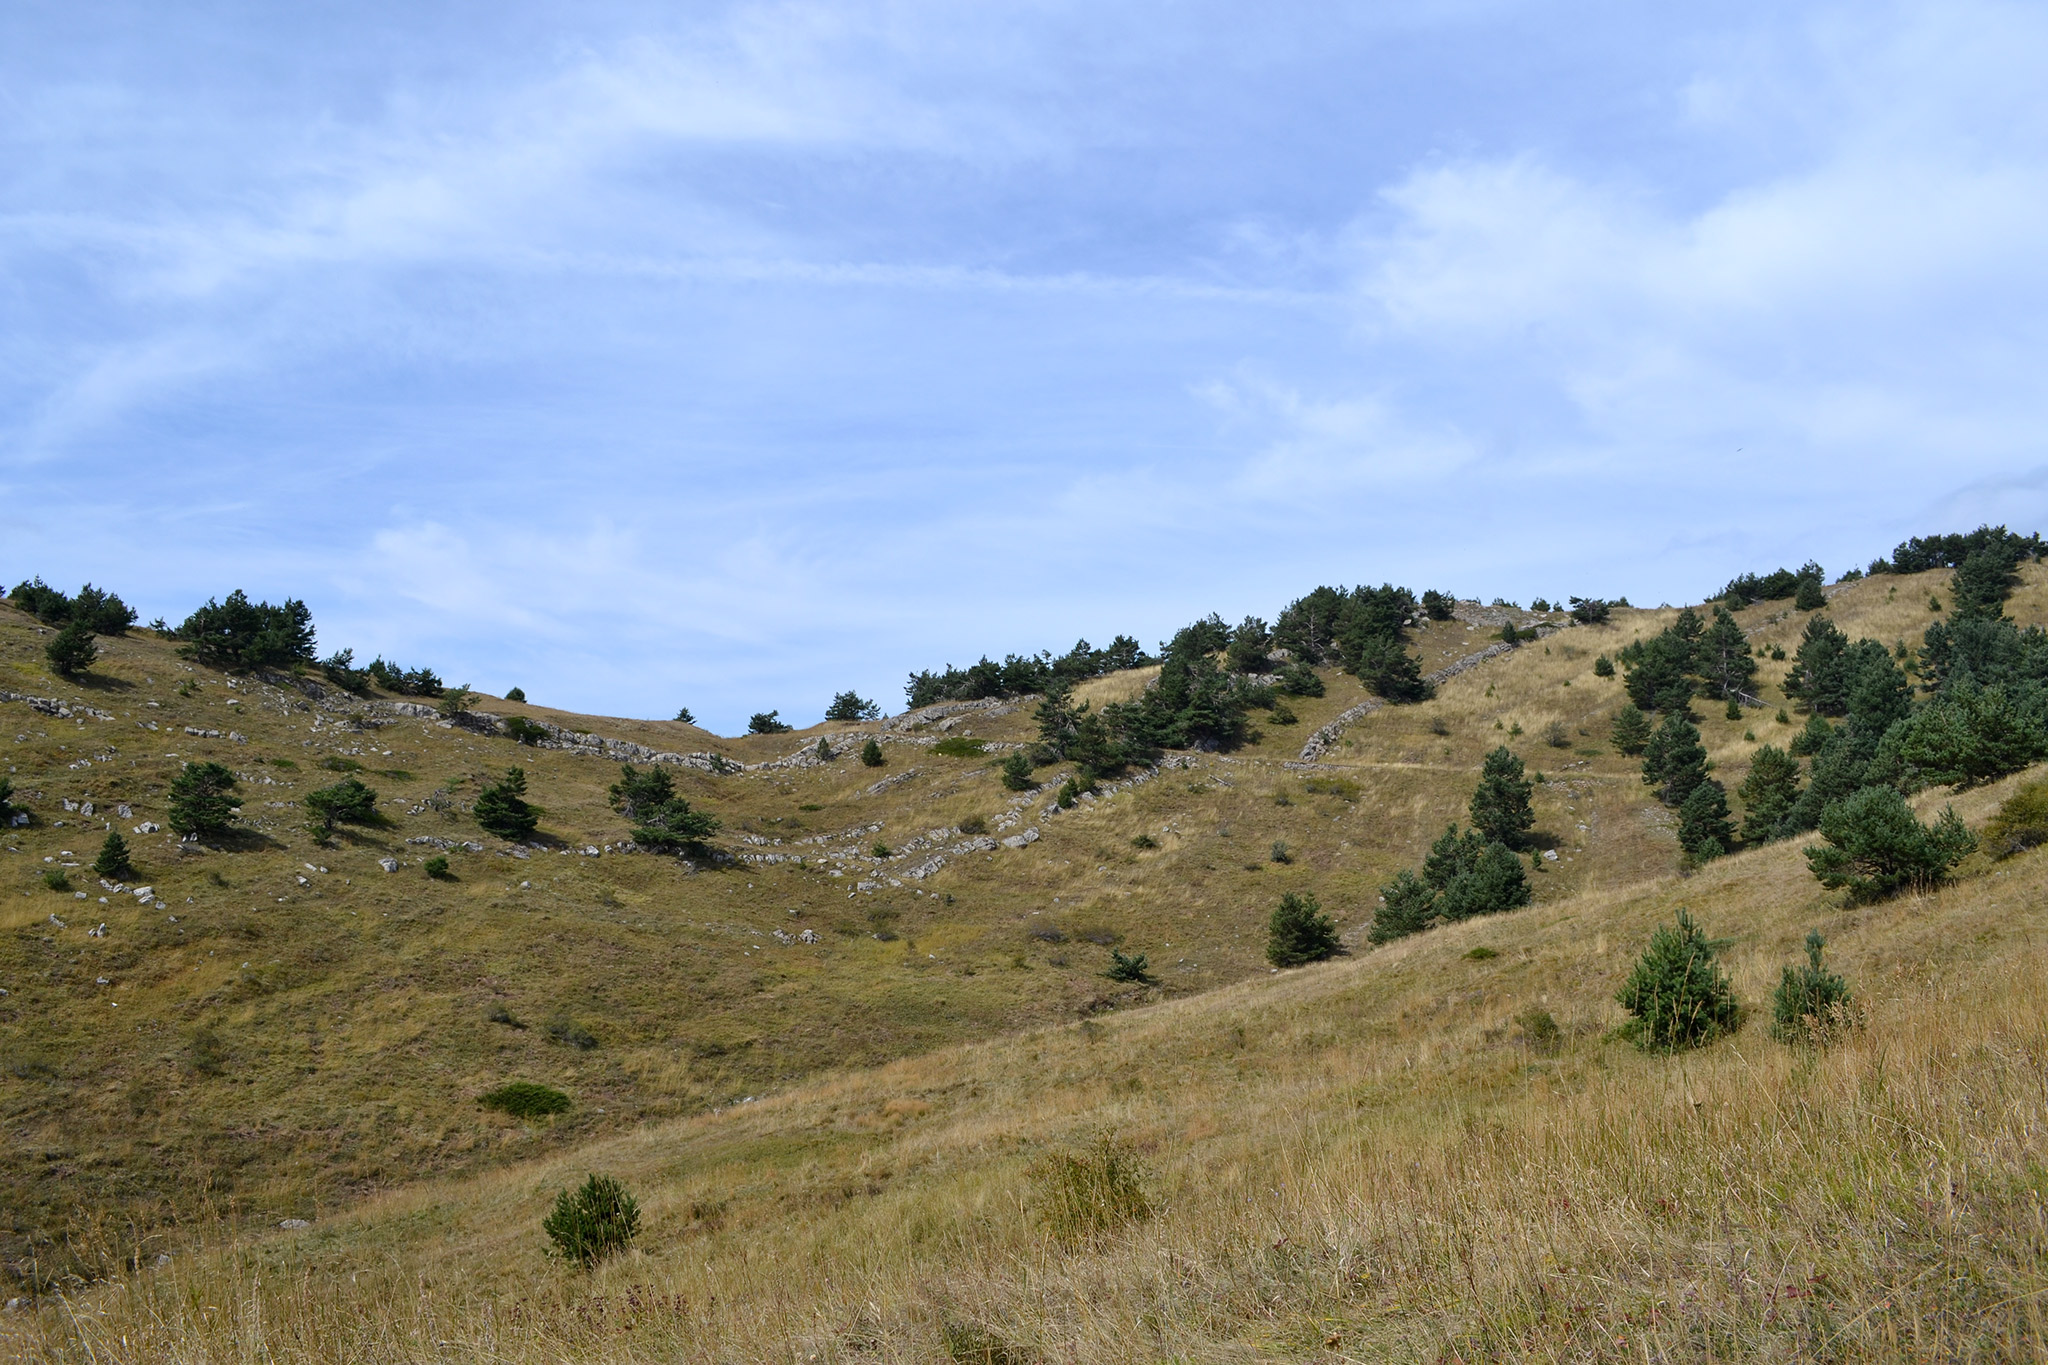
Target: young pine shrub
<point>596,1221</point>
<point>515,694</point>
<point>1299,932</point>
<point>112,861</point>
<point>1088,1194</point>
<point>1281,853</point>
<point>437,868</point>
<point>871,754</point>
<point>525,1100</point>
<point>72,651</point>
<point>1129,968</point>
<point>1631,732</point>
<point>1678,994</point>
<point>202,799</point>
<point>1812,1004</point>
<point>502,810</point>
<point>1603,667</point>
<point>55,880</point>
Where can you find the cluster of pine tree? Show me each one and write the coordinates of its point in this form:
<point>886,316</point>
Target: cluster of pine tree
<point>1922,553</point>
<point>1804,585</point>
<point>1473,873</point>
<point>1021,674</point>
<point>99,611</point>
<point>1365,631</point>
<point>1689,658</point>
<point>239,634</point>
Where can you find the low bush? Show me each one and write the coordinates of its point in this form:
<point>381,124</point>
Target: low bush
<point>335,763</point>
<point>1281,853</point>
<point>1088,1194</point>
<point>526,1100</point>
<point>596,1221</point>
<point>1144,841</point>
<point>1876,847</point>
<point>524,730</point>
<point>1342,787</point>
<point>766,723</point>
<point>960,746</point>
<point>2020,824</point>
<point>1556,735</point>
<point>871,754</point>
<point>1540,1031</point>
<point>972,825</point>
<point>1132,968</point>
<point>55,879</point>
<point>1299,932</point>
<point>437,868</point>
<point>517,694</point>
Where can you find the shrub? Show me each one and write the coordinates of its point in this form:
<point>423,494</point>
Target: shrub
<point>1438,606</point>
<point>1969,735</point>
<point>594,1222</point>
<point>1299,932</point>
<point>973,824</point>
<point>502,810</point>
<point>1591,611</point>
<point>1877,847</point>
<point>1406,906</point>
<point>406,682</point>
<point>1678,993</point>
<point>1556,736</point>
<point>1631,731</point>
<point>1084,1195</point>
<point>2020,824</point>
<point>959,746</point>
<point>515,694</point>
<point>969,1344</point>
<point>1540,1031</point>
<point>437,868</point>
<point>1509,635</point>
<point>1733,711</point>
<point>526,1100</point>
<point>1500,806</point>
<point>851,706</point>
<point>500,1015</point>
<point>1390,671</point>
<point>1299,680</point>
<point>72,650</point>
<point>346,802</point>
<point>823,753</point>
<point>1603,667</point>
<point>1281,853</point>
<point>871,754</point>
<point>1144,841</point>
<point>55,879</point>
<point>239,633</point>
<point>1810,597</point>
<point>1132,968</point>
<point>112,861</point>
<point>882,850</point>
<point>8,810</point>
<point>202,799</point>
<point>1341,787</point>
<point>661,819</point>
<point>683,715</point>
<point>524,730</point>
<point>1812,1004</point>
<point>766,723</point>
<point>1768,792</point>
<point>562,1029</point>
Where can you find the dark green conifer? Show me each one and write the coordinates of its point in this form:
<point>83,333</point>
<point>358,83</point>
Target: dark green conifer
<point>1017,771</point>
<point>1299,932</point>
<point>1812,1003</point>
<point>1499,808</point>
<point>112,861</point>
<point>1678,993</point>
<point>202,799</point>
<point>1809,597</point>
<point>502,810</point>
<point>72,651</point>
<point>1631,732</point>
<point>1767,793</point>
<point>1703,828</point>
<point>871,753</point>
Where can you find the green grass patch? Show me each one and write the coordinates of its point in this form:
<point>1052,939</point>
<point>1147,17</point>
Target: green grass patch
<point>526,1100</point>
<point>959,746</point>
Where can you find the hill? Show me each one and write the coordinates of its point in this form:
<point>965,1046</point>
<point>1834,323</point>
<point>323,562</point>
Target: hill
<point>286,1030</point>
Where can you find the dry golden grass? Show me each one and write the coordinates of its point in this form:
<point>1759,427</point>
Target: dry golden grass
<point>1365,1160</point>
<point>357,1039</point>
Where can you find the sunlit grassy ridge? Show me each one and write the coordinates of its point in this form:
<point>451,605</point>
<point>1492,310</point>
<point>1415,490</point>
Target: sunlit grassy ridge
<point>349,1053</point>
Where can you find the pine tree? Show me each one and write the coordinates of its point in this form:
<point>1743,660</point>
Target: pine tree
<point>823,752</point>
<point>112,861</point>
<point>1016,770</point>
<point>850,706</point>
<point>202,799</point>
<point>346,802</point>
<point>1982,582</point>
<point>1492,884</point>
<point>1812,1003</point>
<point>1722,657</point>
<point>1675,761</point>
<point>871,754</point>
<point>1877,847</point>
<point>1509,635</point>
<point>1603,667</point>
<point>1969,735</point>
<point>1631,732</point>
<point>1809,597</point>
<point>766,723</point>
<point>1703,828</point>
<point>1299,932</point>
<point>1390,671</point>
<point>1812,737</point>
<point>515,694</point>
<point>502,810</point>
<point>1407,905</point>
<point>683,715</point>
<point>596,1221</point>
<point>1678,993</point>
<point>8,810</point>
<point>72,650</point>
<point>1767,793</point>
<point>1500,807</point>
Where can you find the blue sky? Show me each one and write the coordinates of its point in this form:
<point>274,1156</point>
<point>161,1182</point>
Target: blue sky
<point>731,355</point>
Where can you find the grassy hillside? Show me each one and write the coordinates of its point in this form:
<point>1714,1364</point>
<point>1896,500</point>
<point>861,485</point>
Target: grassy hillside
<point>1386,1157</point>
<point>297,1029</point>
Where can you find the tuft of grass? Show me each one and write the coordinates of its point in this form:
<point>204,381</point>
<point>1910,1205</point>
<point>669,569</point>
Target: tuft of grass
<point>1144,841</point>
<point>335,763</point>
<point>1481,954</point>
<point>2021,822</point>
<point>1087,1194</point>
<point>960,746</point>
<point>437,868</point>
<point>566,1031</point>
<point>55,879</point>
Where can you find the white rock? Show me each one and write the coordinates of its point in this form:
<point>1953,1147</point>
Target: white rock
<point>294,1224</point>
<point>143,893</point>
<point>148,827</point>
<point>1549,855</point>
<point>388,864</point>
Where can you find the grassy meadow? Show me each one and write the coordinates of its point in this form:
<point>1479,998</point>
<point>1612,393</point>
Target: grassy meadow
<point>842,1147</point>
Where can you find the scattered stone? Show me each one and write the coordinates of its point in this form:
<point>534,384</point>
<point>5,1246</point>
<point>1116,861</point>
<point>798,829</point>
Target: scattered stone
<point>388,864</point>
<point>1029,836</point>
<point>294,1224</point>
<point>148,827</point>
<point>124,812</point>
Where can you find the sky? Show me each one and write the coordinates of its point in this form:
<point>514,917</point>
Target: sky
<point>733,355</point>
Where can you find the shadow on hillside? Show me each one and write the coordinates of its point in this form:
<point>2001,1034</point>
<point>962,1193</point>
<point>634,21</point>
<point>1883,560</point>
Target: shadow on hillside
<point>100,682</point>
<point>241,840</point>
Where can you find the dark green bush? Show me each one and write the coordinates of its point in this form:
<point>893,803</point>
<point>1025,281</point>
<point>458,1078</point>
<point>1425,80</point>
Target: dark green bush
<point>55,879</point>
<point>596,1221</point>
<point>524,730</point>
<point>1603,667</point>
<point>526,1100</point>
<point>1500,806</point>
<point>335,763</point>
<point>972,825</point>
<point>850,706</point>
<point>501,808</point>
<point>239,633</point>
<point>517,694</point>
<point>347,802</point>
<point>766,723</point>
<point>1678,993</point>
<point>871,754</point>
<point>1132,968</point>
<point>1631,732</point>
<point>1281,853</point>
<point>72,651</point>
<point>2020,824</point>
<point>437,868</point>
<point>1299,932</point>
<point>959,746</point>
<point>113,861</point>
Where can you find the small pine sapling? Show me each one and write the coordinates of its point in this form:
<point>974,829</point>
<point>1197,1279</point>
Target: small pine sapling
<point>1016,770</point>
<point>112,861</point>
<point>72,651</point>
<point>1631,732</point>
<point>1131,968</point>
<point>1299,932</point>
<point>1812,1004</point>
<point>515,694</point>
<point>871,754</point>
<point>1603,667</point>
<point>594,1222</point>
<point>1678,994</point>
<point>202,799</point>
